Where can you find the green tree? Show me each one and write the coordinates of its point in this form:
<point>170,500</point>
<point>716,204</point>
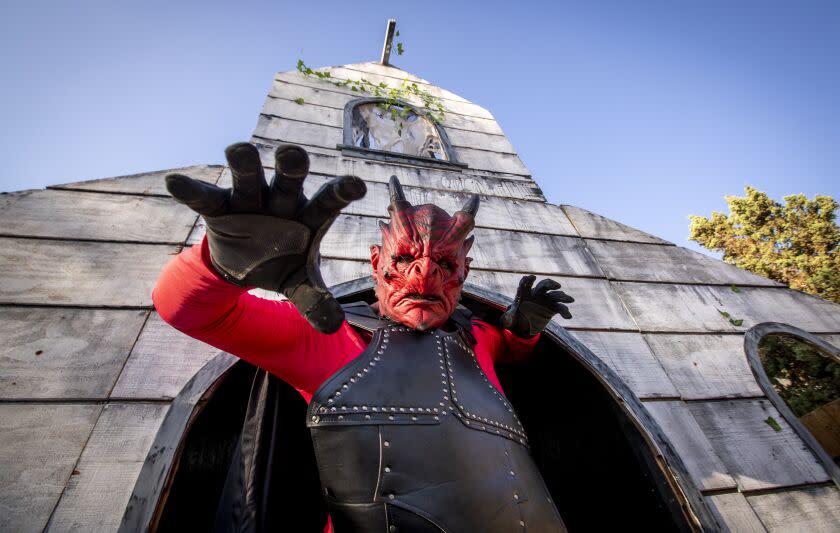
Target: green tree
<point>795,243</point>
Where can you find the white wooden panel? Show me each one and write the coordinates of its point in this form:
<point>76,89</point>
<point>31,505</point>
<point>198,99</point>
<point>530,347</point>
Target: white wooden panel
<point>146,183</point>
<point>467,181</point>
<point>328,137</point>
<point>396,75</point>
<point>79,273</point>
<point>350,237</point>
<point>705,366</point>
<point>661,307</point>
<point>629,356</point>
<point>161,363</point>
<point>95,216</point>
<point>595,226</point>
<point>812,509</point>
<point>64,353</point>
<point>337,271</point>
<point>757,455</point>
<point>39,446</point>
<point>596,305</point>
<point>654,262</point>
<point>735,513</point>
<point>310,112</point>
<point>452,105</point>
<point>493,212</point>
<point>703,464</point>
<point>95,498</point>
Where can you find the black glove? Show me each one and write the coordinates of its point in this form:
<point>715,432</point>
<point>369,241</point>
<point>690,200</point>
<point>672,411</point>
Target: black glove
<point>532,310</point>
<point>268,236</point>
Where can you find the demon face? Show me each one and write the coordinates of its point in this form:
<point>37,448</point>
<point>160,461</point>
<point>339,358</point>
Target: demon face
<point>421,266</point>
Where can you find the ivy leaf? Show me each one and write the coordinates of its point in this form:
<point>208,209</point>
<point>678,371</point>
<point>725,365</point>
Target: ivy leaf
<point>397,34</point>
<point>734,288</point>
<point>400,49</point>
<point>773,424</point>
<point>299,101</point>
<point>724,314</point>
<point>736,321</point>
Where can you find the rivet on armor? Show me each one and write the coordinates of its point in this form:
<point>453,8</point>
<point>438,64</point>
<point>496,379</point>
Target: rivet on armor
<point>392,528</point>
<point>315,419</point>
<point>386,443</point>
<point>367,417</point>
<point>387,469</point>
<point>390,417</point>
<point>437,418</point>
<point>391,496</point>
<point>414,419</point>
<point>322,410</point>
<point>515,496</point>
<point>340,417</point>
<point>522,523</point>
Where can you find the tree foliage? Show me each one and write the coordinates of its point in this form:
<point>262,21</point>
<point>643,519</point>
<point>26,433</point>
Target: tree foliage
<point>795,243</point>
<point>803,377</point>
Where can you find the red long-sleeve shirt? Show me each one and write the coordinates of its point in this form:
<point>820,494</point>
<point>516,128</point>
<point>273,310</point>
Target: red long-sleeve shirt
<point>272,335</point>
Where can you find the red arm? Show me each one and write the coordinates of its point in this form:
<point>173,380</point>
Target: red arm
<point>494,345</point>
<point>191,297</point>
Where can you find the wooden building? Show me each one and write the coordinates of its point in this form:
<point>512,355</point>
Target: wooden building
<point>93,400</point>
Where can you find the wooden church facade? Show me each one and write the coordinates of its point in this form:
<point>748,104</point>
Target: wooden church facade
<point>89,371</point>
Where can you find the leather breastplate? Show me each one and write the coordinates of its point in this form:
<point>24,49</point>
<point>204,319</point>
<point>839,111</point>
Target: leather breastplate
<point>411,436</point>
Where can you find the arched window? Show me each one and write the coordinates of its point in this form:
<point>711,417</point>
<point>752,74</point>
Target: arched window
<point>375,127</point>
<point>800,374</point>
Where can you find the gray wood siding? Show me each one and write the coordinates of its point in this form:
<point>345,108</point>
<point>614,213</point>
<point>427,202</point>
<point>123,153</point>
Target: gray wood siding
<point>147,183</point>
<point>758,456</point>
<point>79,273</point>
<point>630,357</point>
<point>96,497</point>
<point>705,366</point>
<point>89,215</point>
<point>591,225</point>
<point>654,262</point>
<point>735,513</point>
<point>161,363</point>
<point>39,447</point>
<point>813,509</point>
<point>703,464</point>
<point>64,353</point>
<point>696,308</point>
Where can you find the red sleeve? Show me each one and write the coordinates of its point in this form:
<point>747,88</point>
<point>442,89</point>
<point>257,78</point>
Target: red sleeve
<point>191,297</point>
<point>501,345</point>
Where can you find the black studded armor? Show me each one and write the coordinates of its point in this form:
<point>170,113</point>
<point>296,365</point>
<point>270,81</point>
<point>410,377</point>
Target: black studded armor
<point>411,436</point>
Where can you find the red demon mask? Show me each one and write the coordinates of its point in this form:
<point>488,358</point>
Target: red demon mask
<point>421,266</point>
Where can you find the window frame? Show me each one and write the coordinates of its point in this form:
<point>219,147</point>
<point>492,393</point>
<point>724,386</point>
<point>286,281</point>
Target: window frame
<point>752,339</point>
<point>348,148</point>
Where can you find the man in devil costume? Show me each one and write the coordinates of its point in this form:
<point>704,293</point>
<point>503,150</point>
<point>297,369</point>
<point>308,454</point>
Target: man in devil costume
<point>411,429</point>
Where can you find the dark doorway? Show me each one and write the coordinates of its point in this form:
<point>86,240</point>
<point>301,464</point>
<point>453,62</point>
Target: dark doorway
<point>598,467</point>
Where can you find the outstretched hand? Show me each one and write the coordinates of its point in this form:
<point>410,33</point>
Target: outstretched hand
<point>532,310</point>
<point>268,235</point>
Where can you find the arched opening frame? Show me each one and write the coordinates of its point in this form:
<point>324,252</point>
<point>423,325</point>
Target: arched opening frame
<point>751,343</point>
<point>348,148</point>
<point>155,479</point>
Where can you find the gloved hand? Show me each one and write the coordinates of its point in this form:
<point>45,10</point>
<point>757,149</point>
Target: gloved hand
<point>268,236</point>
<point>532,310</point>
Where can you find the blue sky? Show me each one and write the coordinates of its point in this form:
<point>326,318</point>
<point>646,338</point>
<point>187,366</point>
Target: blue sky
<point>644,112</point>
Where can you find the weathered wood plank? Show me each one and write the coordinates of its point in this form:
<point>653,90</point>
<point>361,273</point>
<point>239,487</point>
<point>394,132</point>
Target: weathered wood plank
<point>593,226</point>
<point>494,212</point>
<point>350,237</point>
<point>39,445</point>
<point>150,183</point>
<point>470,180</point>
<point>704,466</point>
<point>162,361</point>
<point>811,509</point>
<point>96,497</point>
<point>629,356</point>
<point>758,456</point>
<point>654,262</point>
<point>325,98</point>
<point>309,112</point>
<point>735,513</point>
<point>596,304</point>
<point>689,308</point>
<point>42,272</point>
<point>344,73</point>
<point>64,353</point>
<point>705,366</point>
<point>327,137</point>
<point>89,215</point>
<point>397,75</point>
<point>451,105</point>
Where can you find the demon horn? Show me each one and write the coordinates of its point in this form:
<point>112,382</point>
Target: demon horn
<point>471,205</point>
<point>397,194</point>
